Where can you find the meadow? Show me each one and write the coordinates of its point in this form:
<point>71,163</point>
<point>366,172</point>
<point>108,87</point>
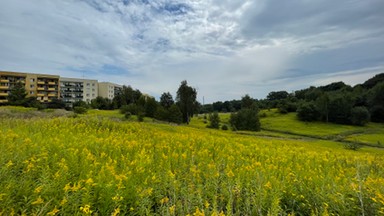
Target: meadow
<point>98,164</point>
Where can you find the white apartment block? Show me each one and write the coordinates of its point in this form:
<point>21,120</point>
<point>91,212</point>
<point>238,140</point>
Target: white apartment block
<point>109,90</point>
<point>73,90</point>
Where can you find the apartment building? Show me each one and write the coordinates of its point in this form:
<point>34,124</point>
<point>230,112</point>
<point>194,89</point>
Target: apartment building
<point>109,90</point>
<point>42,86</point>
<point>73,90</point>
<point>47,87</point>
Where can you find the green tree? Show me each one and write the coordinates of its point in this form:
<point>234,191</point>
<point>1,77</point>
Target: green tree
<point>150,107</point>
<point>247,101</point>
<point>186,99</point>
<point>307,112</point>
<point>166,100</point>
<point>322,104</point>
<point>214,120</point>
<point>245,119</point>
<point>17,95</point>
<point>359,116</point>
<point>175,114</point>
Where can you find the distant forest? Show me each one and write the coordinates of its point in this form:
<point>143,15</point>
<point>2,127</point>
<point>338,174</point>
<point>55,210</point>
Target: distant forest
<point>335,102</point>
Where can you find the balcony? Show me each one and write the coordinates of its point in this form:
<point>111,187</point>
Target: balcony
<point>4,87</point>
<point>40,94</point>
<point>3,101</point>
<point>40,82</point>
<point>41,88</point>
<point>52,83</point>
<point>52,95</point>
<point>3,94</point>
<point>52,89</point>
<point>4,81</point>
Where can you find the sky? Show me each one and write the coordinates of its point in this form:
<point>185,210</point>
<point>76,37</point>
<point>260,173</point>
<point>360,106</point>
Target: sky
<point>223,48</point>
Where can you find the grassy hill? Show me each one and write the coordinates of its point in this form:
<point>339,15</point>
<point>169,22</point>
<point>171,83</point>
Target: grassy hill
<point>99,164</point>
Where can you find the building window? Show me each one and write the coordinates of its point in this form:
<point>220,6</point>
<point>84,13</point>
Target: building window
<point>93,90</point>
<point>93,84</point>
<point>87,95</point>
<point>31,92</point>
<point>93,95</point>
<point>32,80</point>
<point>32,86</point>
<point>88,84</point>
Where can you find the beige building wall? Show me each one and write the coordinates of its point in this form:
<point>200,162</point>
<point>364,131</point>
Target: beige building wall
<point>109,90</point>
<point>74,89</point>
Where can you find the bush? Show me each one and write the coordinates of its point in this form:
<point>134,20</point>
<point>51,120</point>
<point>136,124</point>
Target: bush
<point>308,112</point>
<point>214,120</point>
<point>224,127</point>
<point>140,117</point>
<point>80,110</point>
<point>127,115</point>
<point>245,119</point>
<point>352,146</point>
<point>359,116</point>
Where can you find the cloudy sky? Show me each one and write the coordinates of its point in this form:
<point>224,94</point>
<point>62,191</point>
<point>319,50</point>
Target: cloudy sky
<point>223,48</point>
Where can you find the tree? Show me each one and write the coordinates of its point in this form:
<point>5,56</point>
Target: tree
<point>166,100</point>
<point>186,99</point>
<point>359,116</point>
<point>17,94</point>
<point>340,106</point>
<point>175,114</point>
<point>101,103</point>
<point>279,95</point>
<point>247,101</point>
<point>322,104</point>
<point>307,112</point>
<point>150,107</point>
<point>245,119</point>
<point>214,120</point>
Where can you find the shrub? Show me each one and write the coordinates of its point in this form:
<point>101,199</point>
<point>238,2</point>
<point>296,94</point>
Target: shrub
<point>377,113</point>
<point>140,117</point>
<point>80,110</point>
<point>359,116</point>
<point>127,115</point>
<point>224,127</point>
<point>352,146</point>
<point>214,120</point>
<point>308,112</point>
<point>245,119</point>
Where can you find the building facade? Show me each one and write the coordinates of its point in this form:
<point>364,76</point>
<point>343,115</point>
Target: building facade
<point>47,87</point>
<point>109,90</point>
<point>42,86</point>
<point>73,90</point>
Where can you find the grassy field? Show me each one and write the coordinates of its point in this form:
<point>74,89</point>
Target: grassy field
<point>98,164</point>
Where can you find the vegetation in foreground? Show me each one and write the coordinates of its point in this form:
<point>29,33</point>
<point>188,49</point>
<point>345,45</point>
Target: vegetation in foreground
<point>97,166</point>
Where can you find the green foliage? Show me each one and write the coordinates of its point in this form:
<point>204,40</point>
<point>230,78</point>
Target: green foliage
<point>360,116</point>
<point>224,127</point>
<point>377,113</point>
<point>126,96</point>
<point>247,101</point>
<point>175,114</point>
<point>80,110</point>
<point>352,146</point>
<point>340,106</point>
<point>127,115</point>
<point>245,119</point>
<point>186,100</point>
<point>150,107</point>
<point>307,111</point>
<point>101,103</point>
<point>166,100</point>
<point>214,120</point>
<point>140,116</point>
<point>17,95</point>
